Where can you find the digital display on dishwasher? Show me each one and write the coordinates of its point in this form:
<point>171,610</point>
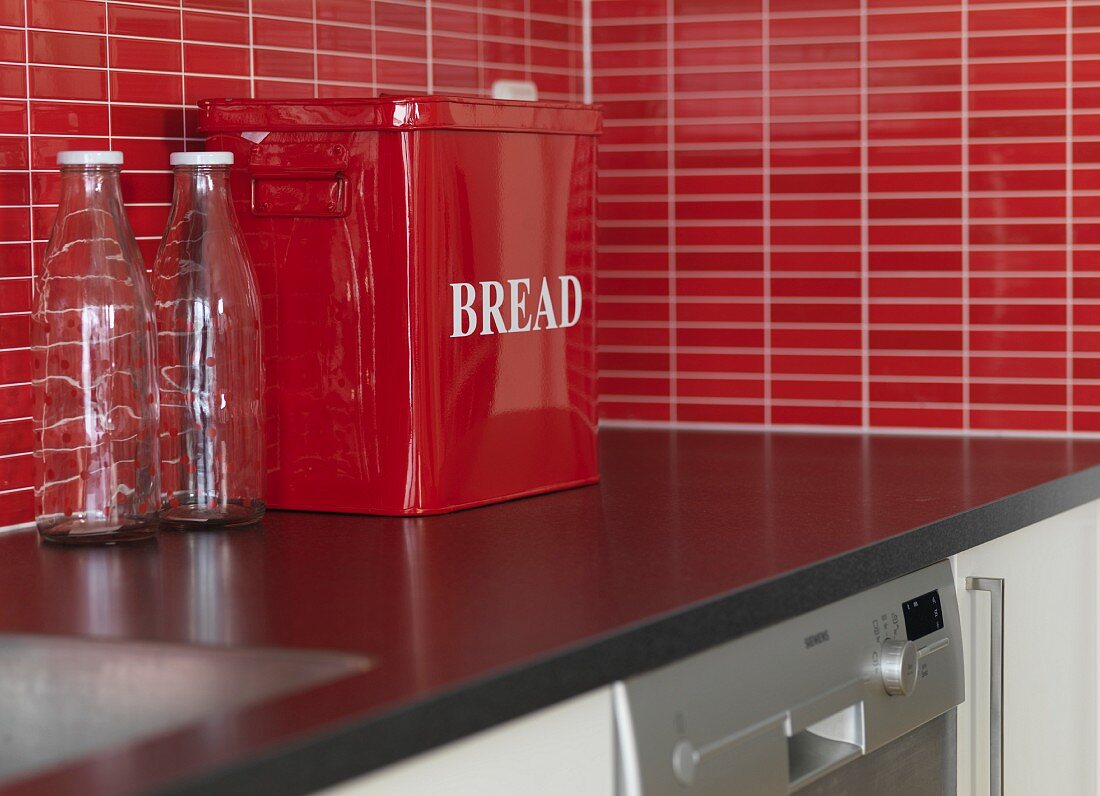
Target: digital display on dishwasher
<point>923,615</point>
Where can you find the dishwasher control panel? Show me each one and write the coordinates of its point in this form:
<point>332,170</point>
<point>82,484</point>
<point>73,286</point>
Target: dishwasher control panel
<point>773,711</point>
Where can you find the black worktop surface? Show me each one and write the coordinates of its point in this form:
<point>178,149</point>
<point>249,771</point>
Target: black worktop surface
<point>474,618</point>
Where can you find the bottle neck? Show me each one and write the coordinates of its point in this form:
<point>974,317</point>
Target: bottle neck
<point>90,187</point>
<point>200,189</point>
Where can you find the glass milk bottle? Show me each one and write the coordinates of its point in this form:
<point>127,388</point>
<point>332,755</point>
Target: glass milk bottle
<point>92,366</point>
<point>208,344</point>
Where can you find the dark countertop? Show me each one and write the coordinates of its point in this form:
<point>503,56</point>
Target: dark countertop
<point>693,538</point>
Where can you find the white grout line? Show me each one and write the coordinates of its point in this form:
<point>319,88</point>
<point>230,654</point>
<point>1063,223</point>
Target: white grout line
<point>252,51</point>
<point>670,121</point>
<point>482,89</point>
<point>316,77</point>
<point>374,51</point>
<point>526,38</point>
<point>1069,210</point>
<point>864,229</point>
<point>964,169</point>
<point>30,149</point>
<point>107,63</point>
<point>766,220</point>
<point>430,49</point>
<point>183,81</point>
<point>586,49</point>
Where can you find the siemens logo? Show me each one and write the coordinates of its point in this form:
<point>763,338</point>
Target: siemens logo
<point>816,638</point>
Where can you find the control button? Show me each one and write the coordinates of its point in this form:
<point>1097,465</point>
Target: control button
<point>898,666</point>
<point>935,646</point>
<point>684,760</point>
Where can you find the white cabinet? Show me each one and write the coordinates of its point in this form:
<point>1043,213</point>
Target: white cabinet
<point>1050,658</point>
<point>566,748</point>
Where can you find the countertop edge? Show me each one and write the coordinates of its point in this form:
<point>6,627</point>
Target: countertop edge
<point>362,746</point>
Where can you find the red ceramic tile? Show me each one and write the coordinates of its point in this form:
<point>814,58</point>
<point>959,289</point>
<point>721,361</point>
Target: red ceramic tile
<point>240,6</point>
<point>453,78</point>
<point>906,365</point>
<point>145,54</point>
<point>269,89</point>
<point>915,417</point>
<point>17,507</point>
<point>11,12</point>
<point>281,63</point>
<point>51,47</point>
<point>282,33</point>
<point>15,402</point>
<point>1021,420</point>
<point>914,391</point>
<point>74,15</point>
<point>284,8</point>
<point>126,20</point>
<point>885,50</point>
<point>719,413</point>
<point>69,118</point>
<point>399,15</point>
<point>201,26</point>
<point>198,88</point>
<point>146,87</point>
<point>405,45</point>
<point>817,415</point>
<point>349,11</point>
<point>16,472</point>
<point>1019,367</point>
<point>13,80</point>
<point>357,41</point>
<point>15,437</point>
<point>14,225</point>
<point>1052,17</point>
<point>1046,44</point>
<point>15,295</point>
<point>628,410</point>
<point>129,120</point>
<point>79,84</point>
<point>13,116</point>
<point>14,189</point>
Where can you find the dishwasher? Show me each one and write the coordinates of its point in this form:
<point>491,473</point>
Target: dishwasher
<point>854,699</point>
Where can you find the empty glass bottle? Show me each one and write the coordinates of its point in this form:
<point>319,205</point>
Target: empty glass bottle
<point>92,366</point>
<point>208,343</point>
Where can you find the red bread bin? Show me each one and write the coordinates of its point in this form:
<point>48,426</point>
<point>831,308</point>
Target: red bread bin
<point>426,267</point>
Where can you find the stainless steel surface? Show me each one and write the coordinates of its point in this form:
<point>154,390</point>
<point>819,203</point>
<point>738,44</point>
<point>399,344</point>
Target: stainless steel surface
<point>795,706</point>
<point>919,763</point>
<point>62,698</point>
<point>996,589</point>
<point>898,664</point>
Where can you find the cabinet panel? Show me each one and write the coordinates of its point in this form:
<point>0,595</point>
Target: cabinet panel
<point>1050,664</point>
<point>566,748</point>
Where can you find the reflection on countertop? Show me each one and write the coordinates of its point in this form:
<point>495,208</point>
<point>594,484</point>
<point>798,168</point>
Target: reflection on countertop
<point>692,537</point>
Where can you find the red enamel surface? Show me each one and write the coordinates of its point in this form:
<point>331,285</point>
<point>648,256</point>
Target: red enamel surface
<point>358,232</point>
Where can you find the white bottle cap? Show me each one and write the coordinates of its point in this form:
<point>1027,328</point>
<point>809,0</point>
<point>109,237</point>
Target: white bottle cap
<point>201,159</point>
<point>89,157</point>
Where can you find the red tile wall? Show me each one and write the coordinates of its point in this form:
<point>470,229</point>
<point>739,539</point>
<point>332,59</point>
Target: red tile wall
<point>837,213</point>
<point>96,74</point>
<point>850,213</point>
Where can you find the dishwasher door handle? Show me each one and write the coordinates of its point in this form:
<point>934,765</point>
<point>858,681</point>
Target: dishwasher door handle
<point>996,589</point>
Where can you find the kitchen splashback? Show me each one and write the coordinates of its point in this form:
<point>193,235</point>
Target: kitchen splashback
<point>866,214</point>
<point>839,213</point>
<point>96,74</point>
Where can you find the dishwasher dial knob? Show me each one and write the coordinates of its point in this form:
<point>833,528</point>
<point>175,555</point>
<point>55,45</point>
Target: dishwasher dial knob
<point>898,665</point>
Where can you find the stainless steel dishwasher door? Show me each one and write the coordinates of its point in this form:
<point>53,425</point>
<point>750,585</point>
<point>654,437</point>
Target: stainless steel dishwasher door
<point>853,699</point>
<point>920,763</point>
